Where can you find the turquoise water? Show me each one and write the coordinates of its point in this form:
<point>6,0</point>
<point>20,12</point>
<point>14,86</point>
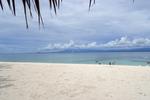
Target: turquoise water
<point>121,58</point>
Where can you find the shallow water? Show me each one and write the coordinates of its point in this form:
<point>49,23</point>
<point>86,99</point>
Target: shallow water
<point>121,58</point>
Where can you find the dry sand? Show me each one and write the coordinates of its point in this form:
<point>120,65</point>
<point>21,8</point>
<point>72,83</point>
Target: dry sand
<point>30,81</point>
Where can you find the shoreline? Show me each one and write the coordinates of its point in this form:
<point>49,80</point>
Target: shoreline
<point>117,65</point>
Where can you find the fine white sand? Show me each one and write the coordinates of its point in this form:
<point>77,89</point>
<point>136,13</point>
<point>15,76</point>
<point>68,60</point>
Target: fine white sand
<point>38,81</point>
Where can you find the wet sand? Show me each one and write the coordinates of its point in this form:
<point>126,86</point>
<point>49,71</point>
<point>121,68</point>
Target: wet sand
<point>42,81</point>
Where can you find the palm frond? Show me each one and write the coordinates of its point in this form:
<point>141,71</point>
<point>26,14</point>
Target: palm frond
<point>1,4</point>
<point>91,3</point>
<point>54,5</point>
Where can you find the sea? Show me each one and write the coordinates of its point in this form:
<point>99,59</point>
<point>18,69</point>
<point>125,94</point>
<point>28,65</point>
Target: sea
<point>115,58</point>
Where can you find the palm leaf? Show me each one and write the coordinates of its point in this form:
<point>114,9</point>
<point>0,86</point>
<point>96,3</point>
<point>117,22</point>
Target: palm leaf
<point>54,5</point>
<point>91,3</point>
<point>1,4</point>
<point>9,3</point>
<point>14,7</point>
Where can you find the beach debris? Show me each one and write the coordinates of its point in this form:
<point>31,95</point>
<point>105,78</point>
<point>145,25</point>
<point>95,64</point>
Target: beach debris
<point>99,63</point>
<point>110,63</point>
<point>148,62</point>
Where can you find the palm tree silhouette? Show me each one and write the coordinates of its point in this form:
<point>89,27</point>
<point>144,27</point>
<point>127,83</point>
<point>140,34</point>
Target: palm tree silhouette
<point>27,5</point>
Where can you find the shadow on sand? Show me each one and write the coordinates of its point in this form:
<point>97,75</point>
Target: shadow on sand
<point>5,81</point>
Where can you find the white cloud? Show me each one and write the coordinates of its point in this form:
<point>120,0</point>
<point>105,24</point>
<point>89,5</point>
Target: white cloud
<point>126,42</point>
<point>122,42</point>
<point>60,45</point>
<point>70,44</point>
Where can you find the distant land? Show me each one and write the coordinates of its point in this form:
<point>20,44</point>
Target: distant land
<point>77,50</point>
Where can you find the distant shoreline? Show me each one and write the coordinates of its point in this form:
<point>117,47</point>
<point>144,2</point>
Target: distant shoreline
<point>73,52</point>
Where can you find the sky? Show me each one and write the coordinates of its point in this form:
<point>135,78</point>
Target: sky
<point>109,24</point>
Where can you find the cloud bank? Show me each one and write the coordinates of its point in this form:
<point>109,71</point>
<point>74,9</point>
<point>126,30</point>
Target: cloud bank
<point>118,43</point>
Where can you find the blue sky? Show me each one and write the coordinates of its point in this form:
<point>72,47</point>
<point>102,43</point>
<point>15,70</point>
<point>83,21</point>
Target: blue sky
<point>109,24</point>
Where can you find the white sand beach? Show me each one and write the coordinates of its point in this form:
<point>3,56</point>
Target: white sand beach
<point>42,81</point>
